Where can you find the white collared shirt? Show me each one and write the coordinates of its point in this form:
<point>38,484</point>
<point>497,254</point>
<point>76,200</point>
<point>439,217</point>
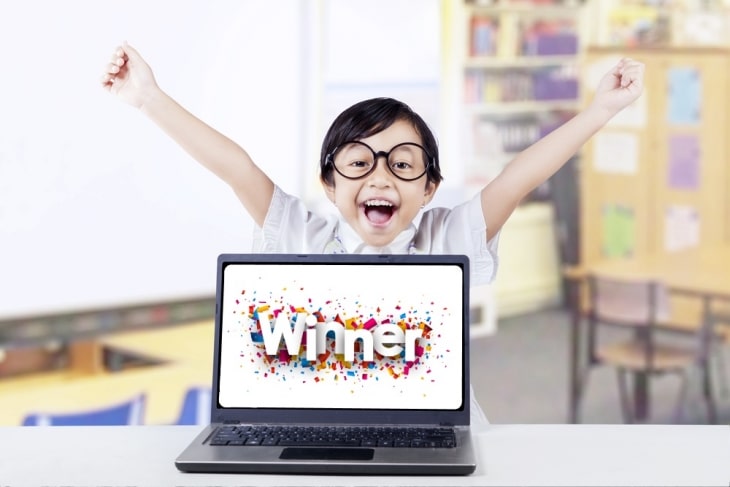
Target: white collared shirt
<point>290,227</point>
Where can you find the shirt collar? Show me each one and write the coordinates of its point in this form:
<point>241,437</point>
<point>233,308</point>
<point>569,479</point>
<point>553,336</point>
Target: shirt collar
<point>353,244</point>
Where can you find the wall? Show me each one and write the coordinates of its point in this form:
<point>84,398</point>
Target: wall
<point>97,206</point>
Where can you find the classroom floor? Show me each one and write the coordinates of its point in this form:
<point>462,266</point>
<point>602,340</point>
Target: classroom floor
<point>520,375</point>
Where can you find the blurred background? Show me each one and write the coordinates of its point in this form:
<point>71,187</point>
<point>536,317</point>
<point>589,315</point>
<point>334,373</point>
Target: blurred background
<point>109,232</point>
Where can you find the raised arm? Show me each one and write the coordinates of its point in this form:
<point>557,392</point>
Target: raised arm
<point>533,166</point>
<point>130,78</point>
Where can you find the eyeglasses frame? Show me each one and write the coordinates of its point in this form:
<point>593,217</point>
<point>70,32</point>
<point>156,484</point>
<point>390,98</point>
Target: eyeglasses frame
<point>376,156</point>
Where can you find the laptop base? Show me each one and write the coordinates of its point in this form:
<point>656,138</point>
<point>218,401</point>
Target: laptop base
<point>201,457</point>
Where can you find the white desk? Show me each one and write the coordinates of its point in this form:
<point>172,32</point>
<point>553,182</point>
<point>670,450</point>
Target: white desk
<point>511,455</point>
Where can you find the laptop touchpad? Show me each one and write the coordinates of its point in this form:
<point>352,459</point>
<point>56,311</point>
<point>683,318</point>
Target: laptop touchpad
<point>327,454</point>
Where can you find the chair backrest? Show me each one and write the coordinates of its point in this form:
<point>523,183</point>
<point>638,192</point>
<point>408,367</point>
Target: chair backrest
<point>628,302</point>
<point>129,412</point>
<point>636,302</point>
<point>196,406</point>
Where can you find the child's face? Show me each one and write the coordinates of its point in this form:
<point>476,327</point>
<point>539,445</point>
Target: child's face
<point>380,206</point>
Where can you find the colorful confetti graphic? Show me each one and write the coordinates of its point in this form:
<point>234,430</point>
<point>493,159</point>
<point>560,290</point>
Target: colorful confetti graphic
<point>257,315</point>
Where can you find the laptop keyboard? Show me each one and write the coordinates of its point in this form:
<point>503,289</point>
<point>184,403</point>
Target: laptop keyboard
<point>335,436</point>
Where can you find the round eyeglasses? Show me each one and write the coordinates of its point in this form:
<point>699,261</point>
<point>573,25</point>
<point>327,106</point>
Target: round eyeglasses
<point>407,161</point>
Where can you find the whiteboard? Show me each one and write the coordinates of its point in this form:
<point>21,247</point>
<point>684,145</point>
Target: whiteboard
<point>98,208</point>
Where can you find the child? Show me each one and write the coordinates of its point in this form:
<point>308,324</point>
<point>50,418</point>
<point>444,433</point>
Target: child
<point>379,166</point>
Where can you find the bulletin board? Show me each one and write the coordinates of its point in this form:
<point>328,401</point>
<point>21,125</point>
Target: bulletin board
<point>655,178</point>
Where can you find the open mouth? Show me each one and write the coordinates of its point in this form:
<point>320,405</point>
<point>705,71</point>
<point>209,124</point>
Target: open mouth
<point>378,212</point>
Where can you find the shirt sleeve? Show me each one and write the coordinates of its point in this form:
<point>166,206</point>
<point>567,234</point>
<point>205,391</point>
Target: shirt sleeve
<point>289,227</point>
<point>461,230</point>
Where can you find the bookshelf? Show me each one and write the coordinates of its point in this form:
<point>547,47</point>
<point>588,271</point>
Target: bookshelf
<point>519,70</point>
<point>513,76</point>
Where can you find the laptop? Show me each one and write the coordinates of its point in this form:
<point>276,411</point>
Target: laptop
<point>339,364</point>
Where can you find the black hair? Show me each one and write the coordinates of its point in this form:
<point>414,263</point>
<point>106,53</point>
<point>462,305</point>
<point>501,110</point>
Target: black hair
<point>369,117</point>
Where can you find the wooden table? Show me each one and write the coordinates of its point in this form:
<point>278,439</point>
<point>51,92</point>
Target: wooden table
<point>189,343</point>
<point>703,272</point>
<point>185,353</point>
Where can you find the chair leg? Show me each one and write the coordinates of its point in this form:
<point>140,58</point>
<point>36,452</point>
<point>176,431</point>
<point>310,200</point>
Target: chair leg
<point>707,393</point>
<point>579,394</point>
<point>719,354</point>
<point>682,397</point>
<point>627,410</point>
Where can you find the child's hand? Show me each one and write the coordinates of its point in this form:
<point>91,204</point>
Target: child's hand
<point>621,86</point>
<point>128,76</point>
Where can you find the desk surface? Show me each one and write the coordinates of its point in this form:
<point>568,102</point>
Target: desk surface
<point>511,455</point>
<point>699,270</point>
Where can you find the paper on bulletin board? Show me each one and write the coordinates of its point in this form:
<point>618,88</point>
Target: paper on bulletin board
<point>619,231</point>
<point>616,152</point>
<point>681,228</point>
<point>684,162</point>
<point>685,95</point>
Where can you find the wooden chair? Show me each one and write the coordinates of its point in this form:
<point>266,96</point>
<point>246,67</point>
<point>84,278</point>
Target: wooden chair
<point>196,406</point>
<point>641,308</point>
<point>720,322</point>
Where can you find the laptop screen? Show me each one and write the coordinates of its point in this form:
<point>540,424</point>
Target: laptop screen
<point>341,335</point>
